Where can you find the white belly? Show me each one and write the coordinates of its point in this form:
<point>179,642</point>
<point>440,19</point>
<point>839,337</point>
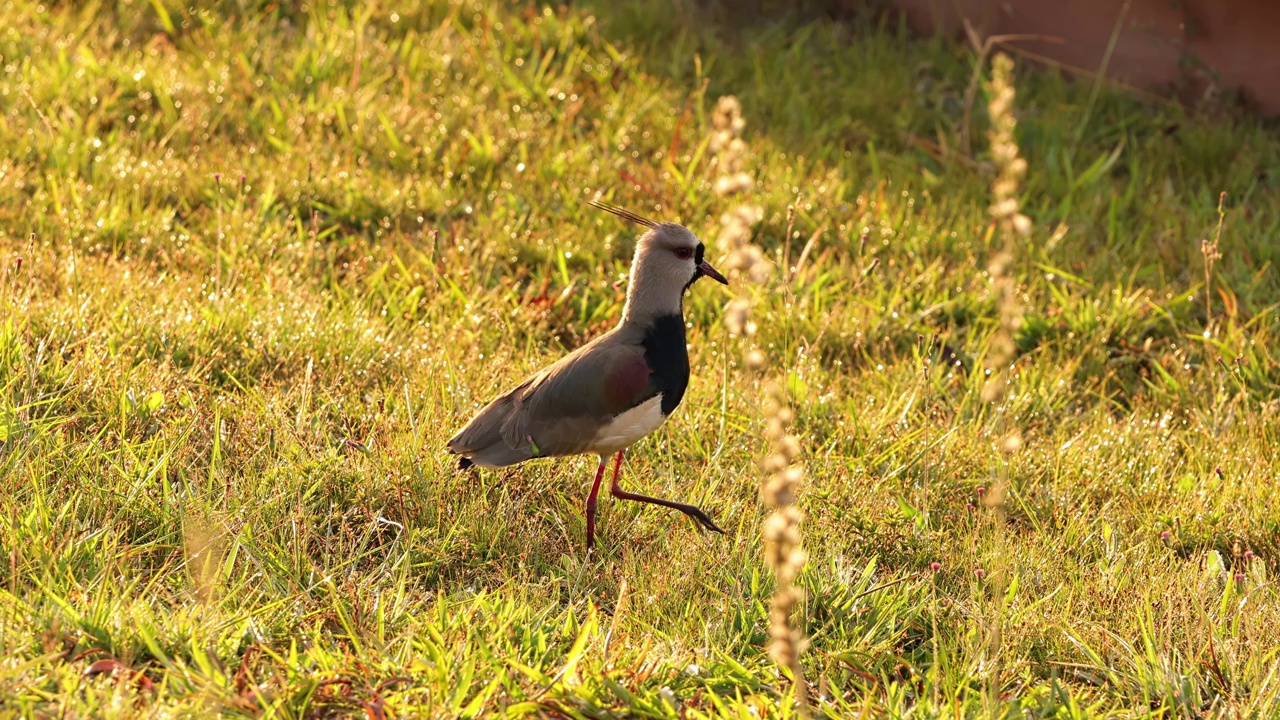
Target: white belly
<point>628,427</point>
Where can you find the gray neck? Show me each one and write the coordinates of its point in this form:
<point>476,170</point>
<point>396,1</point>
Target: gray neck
<point>650,297</point>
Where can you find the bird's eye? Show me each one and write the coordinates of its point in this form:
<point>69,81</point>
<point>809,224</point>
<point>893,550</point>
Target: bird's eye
<point>683,253</point>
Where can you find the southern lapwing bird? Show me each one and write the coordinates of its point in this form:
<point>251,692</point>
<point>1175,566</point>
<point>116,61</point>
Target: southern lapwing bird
<point>616,389</point>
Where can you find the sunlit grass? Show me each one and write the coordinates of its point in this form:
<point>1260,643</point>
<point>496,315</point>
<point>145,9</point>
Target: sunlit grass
<point>257,264</point>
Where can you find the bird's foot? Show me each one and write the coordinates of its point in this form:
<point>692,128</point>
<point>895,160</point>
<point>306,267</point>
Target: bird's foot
<point>703,519</point>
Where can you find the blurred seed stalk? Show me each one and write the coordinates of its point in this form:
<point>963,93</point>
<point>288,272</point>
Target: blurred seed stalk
<point>782,474</point>
<point>1012,226</point>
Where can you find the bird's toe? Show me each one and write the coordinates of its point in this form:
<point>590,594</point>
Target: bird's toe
<point>705,520</point>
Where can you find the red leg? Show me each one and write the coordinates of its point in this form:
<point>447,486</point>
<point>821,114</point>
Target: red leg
<point>591,504</point>
<point>691,510</point>
<point>617,466</point>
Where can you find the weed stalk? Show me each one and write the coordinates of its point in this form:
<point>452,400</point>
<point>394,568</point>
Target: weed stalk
<point>782,474</point>
<point>1012,225</point>
<point>1210,252</point>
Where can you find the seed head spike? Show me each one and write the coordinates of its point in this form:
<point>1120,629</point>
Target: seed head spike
<point>622,213</point>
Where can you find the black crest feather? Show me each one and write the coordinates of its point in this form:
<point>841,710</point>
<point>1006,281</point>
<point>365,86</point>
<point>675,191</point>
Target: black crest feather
<point>623,213</point>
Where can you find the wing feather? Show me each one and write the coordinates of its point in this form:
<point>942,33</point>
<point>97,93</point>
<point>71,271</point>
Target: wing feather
<point>559,410</point>
<point>563,408</point>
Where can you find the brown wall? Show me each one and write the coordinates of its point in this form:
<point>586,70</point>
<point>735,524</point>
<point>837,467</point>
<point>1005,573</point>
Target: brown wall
<point>1188,48</point>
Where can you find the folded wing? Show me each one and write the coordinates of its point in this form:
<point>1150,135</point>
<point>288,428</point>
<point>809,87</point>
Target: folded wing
<point>560,410</point>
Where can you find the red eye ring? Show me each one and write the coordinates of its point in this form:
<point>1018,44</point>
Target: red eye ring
<point>683,253</point>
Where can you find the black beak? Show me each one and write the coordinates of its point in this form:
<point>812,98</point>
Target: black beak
<point>704,268</point>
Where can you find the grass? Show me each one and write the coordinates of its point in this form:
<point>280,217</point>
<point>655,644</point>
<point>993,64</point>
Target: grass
<point>258,263</point>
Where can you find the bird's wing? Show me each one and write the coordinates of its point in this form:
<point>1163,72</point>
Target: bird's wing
<point>561,409</point>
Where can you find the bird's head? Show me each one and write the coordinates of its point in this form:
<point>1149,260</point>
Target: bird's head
<point>671,251</point>
<point>669,258</point>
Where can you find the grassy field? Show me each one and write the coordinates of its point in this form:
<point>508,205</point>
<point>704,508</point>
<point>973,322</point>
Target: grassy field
<point>257,264</point>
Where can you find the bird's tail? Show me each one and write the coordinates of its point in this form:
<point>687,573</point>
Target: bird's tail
<point>495,456</point>
<point>482,443</point>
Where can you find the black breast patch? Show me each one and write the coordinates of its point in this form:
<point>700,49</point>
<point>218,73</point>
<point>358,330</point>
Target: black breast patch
<point>668,359</point>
